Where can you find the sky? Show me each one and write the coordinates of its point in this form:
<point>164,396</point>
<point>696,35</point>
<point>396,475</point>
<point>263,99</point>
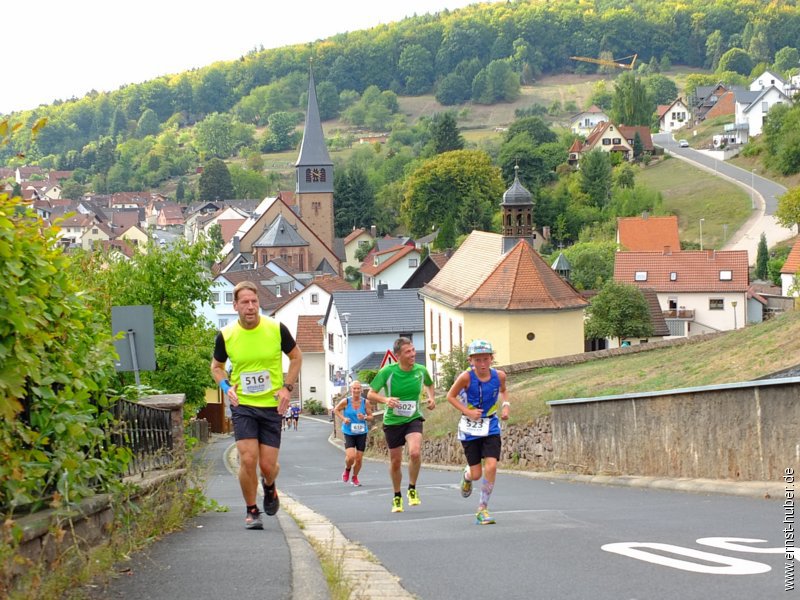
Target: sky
<point>71,48</point>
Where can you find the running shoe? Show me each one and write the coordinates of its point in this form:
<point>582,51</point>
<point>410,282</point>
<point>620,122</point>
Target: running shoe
<point>413,498</point>
<point>466,484</point>
<point>346,476</point>
<point>397,504</point>
<point>253,520</point>
<point>355,481</point>
<point>482,517</point>
<point>271,501</point>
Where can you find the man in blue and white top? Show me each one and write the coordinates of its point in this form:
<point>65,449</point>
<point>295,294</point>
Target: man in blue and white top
<point>477,393</point>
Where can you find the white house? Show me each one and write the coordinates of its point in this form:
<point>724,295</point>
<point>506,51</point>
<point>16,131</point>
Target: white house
<point>753,110</point>
<point>584,122</point>
<point>699,291</point>
<point>790,272</point>
<point>390,267</point>
<point>768,79</point>
<point>672,117</point>
<point>365,323</point>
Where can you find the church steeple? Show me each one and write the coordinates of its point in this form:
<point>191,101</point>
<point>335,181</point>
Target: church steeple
<point>517,209</point>
<point>314,173</point>
<point>314,165</point>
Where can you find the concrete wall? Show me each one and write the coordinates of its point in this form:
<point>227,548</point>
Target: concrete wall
<point>746,431</point>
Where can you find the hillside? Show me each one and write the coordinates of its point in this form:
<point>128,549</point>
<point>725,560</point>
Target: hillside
<point>741,355</point>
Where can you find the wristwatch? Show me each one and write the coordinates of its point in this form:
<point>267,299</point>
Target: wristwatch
<point>288,386</point>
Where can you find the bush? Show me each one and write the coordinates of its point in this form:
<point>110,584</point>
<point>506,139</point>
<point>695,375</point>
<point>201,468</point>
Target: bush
<point>57,357</point>
<point>365,376</point>
<point>452,365</point>
<point>314,407</point>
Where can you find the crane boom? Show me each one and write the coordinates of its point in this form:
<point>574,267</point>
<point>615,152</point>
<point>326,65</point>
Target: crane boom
<point>610,63</point>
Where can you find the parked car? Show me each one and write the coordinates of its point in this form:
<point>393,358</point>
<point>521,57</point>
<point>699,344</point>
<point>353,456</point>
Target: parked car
<point>683,143</point>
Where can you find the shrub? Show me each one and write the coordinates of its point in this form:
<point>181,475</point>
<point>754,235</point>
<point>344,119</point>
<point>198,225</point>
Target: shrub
<point>57,358</point>
<point>314,407</point>
<point>452,365</point>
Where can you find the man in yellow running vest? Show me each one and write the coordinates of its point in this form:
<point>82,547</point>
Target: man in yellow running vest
<point>257,392</point>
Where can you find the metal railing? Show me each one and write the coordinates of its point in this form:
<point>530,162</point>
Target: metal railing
<point>147,432</point>
<point>679,313</point>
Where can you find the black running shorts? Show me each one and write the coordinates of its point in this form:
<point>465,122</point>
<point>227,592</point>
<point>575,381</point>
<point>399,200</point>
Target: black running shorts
<point>485,447</point>
<point>359,442</point>
<point>396,434</point>
<point>254,422</point>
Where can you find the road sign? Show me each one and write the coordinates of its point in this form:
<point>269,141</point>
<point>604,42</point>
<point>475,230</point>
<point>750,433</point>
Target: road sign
<point>388,359</point>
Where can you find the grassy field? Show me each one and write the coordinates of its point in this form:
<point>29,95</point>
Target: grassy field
<point>693,194</point>
<point>741,355</point>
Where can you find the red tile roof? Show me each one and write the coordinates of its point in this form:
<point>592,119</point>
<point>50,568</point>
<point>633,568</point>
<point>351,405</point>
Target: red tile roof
<point>648,234</point>
<point>354,234</point>
<point>695,271</point>
<point>400,252</point>
<point>792,264</point>
<point>310,335</point>
<point>332,283</point>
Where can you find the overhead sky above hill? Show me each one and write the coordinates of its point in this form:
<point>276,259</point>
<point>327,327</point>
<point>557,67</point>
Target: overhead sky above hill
<point>66,49</point>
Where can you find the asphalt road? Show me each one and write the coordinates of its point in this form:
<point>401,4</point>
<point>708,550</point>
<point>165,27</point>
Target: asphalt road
<point>763,192</point>
<point>553,539</point>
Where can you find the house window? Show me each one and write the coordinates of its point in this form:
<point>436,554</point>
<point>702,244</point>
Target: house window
<point>222,323</point>
<point>640,276</point>
<point>412,263</point>
<point>765,107</point>
<point>725,275</point>
<point>362,243</point>
<point>606,142</point>
<point>314,298</point>
<point>673,276</point>
<point>215,297</point>
<point>330,372</point>
<point>330,347</point>
<point>716,304</point>
<point>617,141</point>
<point>228,297</point>
<point>94,230</point>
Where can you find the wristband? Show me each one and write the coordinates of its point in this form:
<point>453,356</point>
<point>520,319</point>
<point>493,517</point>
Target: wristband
<point>225,385</point>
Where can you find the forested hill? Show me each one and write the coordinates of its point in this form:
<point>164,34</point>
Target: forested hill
<point>459,55</point>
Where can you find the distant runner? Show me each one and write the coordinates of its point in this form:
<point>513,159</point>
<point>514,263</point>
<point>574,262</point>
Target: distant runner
<point>354,413</point>
<point>476,394</point>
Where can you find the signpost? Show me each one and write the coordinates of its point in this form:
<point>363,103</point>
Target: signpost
<point>136,348</point>
<point>388,359</point>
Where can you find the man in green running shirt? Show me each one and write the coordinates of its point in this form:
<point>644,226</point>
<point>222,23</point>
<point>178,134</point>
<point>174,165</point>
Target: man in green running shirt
<point>402,384</point>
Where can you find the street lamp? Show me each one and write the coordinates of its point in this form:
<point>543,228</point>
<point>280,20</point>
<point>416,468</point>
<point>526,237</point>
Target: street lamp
<point>701,234</point>
<point>733,304</point>
<point>346,317</point>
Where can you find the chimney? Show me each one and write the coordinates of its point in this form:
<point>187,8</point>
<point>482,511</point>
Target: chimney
<point>381,288</point>
<point>235,240</point>
<point>373,231</point>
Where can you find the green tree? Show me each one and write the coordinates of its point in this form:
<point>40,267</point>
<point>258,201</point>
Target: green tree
<point>661,89</point>
<point>215,181</point>
<point>416,69</point>
<point>497,82</point>
<point>281,134</point>
<point>535,127</point>
<point>462,184</point>
<point>736,60</point>
<point>618,311</point>
<point>445,133</point>
<point>788,211</point>
<point>148,124</point>
<point>327,100</point>
<point>786,58</point>
<point>762,258</point>
<point>453,89</point>
<point>174,282</point>
<point>631,104</point>
<point>215,237</point>
<point>447,235</point>
<point>72,190</point>
<point>592,264</point>
<point>247,183</point>
<point>596,176</point>
<point>714,49</point>
<point>354,200</point>
<point>213,136</point>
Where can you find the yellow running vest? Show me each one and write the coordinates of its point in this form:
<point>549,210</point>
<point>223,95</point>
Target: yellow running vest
<point>257,361</point>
